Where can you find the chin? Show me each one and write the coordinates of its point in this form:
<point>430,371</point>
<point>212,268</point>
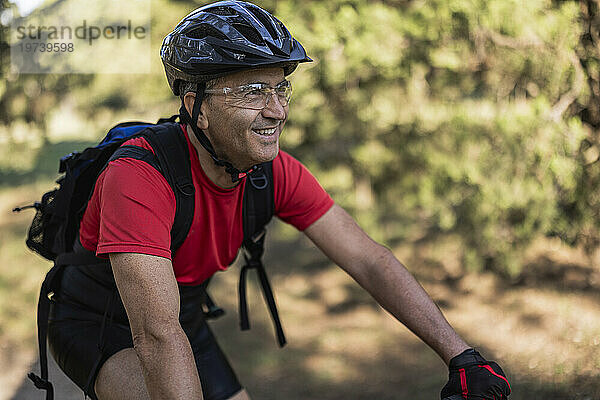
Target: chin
<point>263,158</point>
<point>272,157</point>
<point>267,154</point>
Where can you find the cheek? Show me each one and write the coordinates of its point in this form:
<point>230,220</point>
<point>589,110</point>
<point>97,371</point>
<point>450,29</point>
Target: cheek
<point>232,124</point>
<point>242,119</point>
<point>237,128</point>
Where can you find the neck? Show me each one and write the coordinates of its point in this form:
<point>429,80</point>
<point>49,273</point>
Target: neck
<point>215,173</point>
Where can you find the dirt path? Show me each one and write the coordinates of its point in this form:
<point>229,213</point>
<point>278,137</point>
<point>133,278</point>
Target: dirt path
<point>342,346</point>
<point>64,389</point>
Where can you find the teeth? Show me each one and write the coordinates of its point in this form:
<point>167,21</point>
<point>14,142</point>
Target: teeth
<point>265,132</point>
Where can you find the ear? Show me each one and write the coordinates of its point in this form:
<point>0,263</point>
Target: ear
<point>188,101</point>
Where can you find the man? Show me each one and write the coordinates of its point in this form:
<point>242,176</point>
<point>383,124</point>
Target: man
<point>228,62</point>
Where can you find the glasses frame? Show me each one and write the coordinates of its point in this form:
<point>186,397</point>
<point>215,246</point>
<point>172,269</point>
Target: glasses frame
<point>236,94</point>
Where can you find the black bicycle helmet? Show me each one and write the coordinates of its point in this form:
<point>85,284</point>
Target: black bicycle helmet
<point>219,39</point>
<point>225,37</point>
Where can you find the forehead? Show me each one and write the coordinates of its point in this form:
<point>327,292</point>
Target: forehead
<point>271,76</point>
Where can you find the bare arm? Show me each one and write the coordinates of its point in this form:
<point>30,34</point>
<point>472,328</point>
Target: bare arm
<point>378,271</point>
<point>149,291</point>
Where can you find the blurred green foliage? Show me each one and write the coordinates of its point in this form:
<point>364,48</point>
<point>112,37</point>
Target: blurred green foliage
<point>478,119</point>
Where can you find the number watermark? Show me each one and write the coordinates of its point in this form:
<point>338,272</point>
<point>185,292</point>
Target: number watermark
<point>44,47</point>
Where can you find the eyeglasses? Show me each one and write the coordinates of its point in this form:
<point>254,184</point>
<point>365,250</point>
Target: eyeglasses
<point>255,96</point>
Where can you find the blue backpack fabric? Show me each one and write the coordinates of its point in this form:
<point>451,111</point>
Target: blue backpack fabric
<point>54,231</point>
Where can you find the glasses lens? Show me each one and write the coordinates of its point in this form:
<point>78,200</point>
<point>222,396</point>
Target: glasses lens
<point>256,96</point>
<point>247,96</point>
<point>284,92</point>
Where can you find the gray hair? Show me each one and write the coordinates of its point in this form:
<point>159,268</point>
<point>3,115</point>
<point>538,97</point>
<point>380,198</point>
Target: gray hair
<point>185,87</point>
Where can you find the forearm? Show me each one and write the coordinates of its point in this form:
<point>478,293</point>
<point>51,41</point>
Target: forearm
<point>168,365</point>
<point>388,281</point>
<point>377,270</point>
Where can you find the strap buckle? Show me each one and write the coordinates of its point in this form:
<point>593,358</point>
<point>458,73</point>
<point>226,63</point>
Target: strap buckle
<point>259,181</point>
<point>259,236</point>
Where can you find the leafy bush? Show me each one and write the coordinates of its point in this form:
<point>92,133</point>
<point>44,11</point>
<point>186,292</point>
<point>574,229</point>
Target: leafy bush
<point>447,115</point>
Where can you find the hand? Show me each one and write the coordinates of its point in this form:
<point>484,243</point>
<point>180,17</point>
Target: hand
<point>475,378</point>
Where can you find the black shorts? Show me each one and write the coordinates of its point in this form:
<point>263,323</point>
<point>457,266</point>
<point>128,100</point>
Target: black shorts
<point>88,324</point>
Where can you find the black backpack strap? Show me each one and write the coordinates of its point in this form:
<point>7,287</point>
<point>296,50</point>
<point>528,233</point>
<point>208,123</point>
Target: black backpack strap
<point>171,150</point>
<point>43,311</point>
<point>257,211</point>
<point>139,153</point>
<point>171,158</point>
<point>79,256</point>
<point>209,308</point>
<point>172,118</point>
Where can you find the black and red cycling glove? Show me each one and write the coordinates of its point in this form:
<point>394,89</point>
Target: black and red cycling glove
<point>475,378</point>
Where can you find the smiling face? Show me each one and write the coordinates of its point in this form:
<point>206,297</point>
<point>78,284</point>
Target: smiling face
<point>242,136</point>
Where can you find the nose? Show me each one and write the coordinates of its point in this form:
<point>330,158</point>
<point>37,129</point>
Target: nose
<point>273,109</point>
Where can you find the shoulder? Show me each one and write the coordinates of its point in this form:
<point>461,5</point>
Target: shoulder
<point>285,166</point>
<point>128,173</point>
<point>285,158</point>
<point>126,167</point>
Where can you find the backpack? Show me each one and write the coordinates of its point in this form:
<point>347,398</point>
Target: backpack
<point>54,231</point>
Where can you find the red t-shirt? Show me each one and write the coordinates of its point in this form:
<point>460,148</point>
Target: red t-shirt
<point>133,207</point>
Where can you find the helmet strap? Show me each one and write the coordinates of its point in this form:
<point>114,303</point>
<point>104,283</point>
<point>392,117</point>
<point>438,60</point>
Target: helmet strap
<point>192,121</point>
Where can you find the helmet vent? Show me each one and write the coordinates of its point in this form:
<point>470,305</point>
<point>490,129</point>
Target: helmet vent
<point>206,30</point>
<point>249,33</point>
<point>267,23</point>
